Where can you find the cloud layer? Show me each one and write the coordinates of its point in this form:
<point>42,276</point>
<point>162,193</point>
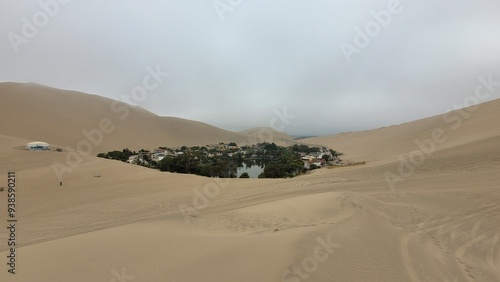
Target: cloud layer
<point>232,62</point>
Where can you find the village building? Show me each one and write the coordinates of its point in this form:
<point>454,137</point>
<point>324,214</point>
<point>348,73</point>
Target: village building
<point>37,146</point>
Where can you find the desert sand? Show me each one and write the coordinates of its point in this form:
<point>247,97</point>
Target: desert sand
<point>74,116</point>
<point>112,221</point>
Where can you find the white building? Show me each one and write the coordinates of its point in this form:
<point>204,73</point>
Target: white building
<point>157,157</point>
<point>37,146</point>
<point>132,159</point>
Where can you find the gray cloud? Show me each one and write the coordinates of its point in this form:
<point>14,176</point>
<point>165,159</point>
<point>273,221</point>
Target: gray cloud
<point>263,56</point>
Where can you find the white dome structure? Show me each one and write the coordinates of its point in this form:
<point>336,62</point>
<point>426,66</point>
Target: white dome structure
<point>37,146</point>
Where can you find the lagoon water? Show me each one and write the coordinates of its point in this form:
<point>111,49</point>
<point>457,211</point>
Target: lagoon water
<point>253,170</point>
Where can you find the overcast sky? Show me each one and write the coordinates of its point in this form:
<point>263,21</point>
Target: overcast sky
<point>231,62</point>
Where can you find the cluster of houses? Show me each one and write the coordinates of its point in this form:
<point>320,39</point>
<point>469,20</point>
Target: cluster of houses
<point>217,150</point>
<point>314,158</point>
<point>146,156</point>
<point>214,150</point>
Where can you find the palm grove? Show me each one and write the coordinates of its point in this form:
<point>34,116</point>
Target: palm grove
<point>278,161</point>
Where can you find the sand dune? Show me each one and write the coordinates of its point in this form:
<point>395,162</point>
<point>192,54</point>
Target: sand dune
<point>468,126</point>
<point>61,117</point>
<point>257,134</point>
<point>343,224</point>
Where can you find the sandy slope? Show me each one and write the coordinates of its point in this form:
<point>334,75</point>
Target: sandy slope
<point>466,126</point>
<point>269,135</point>
<point>60,117</point>
<point>438,224</point>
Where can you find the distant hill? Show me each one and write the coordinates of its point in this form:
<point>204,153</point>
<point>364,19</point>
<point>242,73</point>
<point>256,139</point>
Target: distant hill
<point>260,134</point>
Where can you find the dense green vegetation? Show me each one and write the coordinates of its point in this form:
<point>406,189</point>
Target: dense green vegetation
<point>223,160</point>
<point>195,163</point>
<point>281,161</point>
<point>117,155</point>
<point>304,149</point>
<point>288,164</point>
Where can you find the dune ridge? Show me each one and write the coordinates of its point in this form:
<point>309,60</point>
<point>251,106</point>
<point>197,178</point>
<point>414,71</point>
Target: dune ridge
<point>469,126</point>
<point>65,118</point>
